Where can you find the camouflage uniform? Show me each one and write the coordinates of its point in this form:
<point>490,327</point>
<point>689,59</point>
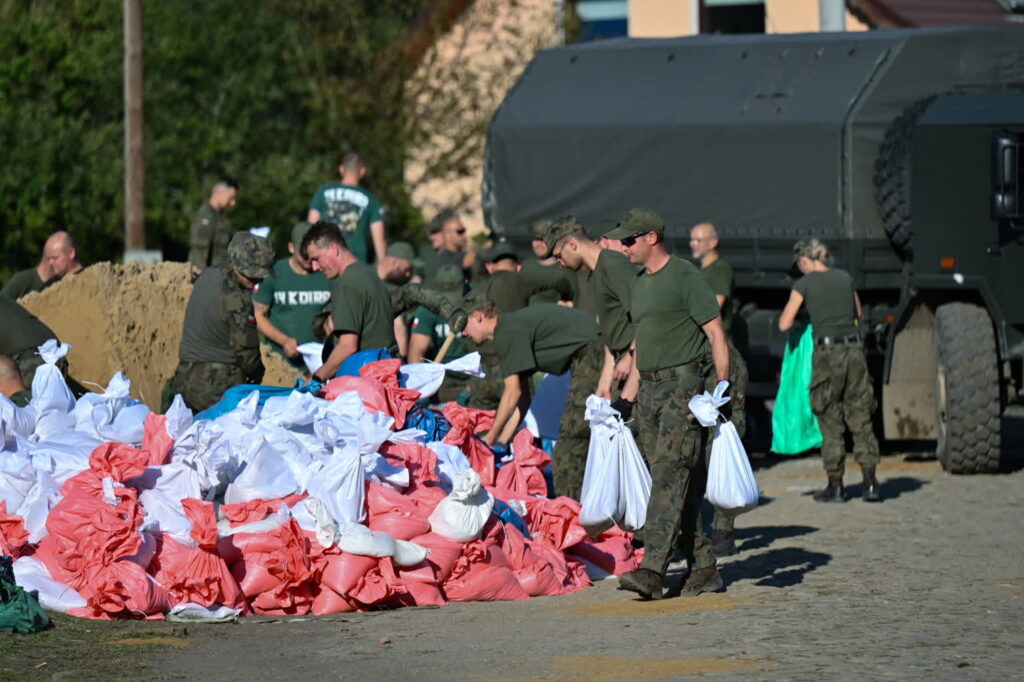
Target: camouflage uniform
<point>570,455</point>
<point>219,345</point>
<point>209,235</point>
<point>841,392</point>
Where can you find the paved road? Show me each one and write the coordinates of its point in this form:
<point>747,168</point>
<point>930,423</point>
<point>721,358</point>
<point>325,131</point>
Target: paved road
<point>926,585</point>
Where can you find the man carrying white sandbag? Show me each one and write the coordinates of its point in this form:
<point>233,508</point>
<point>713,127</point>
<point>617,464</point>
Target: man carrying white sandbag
<point>678,324</point>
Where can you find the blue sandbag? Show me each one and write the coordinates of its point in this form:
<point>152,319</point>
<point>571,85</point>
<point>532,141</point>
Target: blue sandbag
<point>509,515</point>
<point>358,360</point>
<point>429,421</point>
<point>236,394</point>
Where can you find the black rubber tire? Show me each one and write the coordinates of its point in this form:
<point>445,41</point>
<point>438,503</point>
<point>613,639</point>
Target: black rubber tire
<point>967,394</point>
<point>892,178</point>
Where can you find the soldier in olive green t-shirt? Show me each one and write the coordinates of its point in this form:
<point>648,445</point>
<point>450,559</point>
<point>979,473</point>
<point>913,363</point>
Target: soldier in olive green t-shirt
<point>510,287</point>
<point>21,334</point>
<point>26,281</point>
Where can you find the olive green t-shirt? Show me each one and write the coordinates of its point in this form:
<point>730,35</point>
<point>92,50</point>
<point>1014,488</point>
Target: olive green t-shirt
<point>512,290</point>
<point>428,323</point>
<point>21,283</point>
<point>351,208</point>
<point>21,329</point>
<point>719,276</point>
<point>542,337</point>
<point>828,296</point>
<point>669,308</point>
<point>294,301</point>
<point>611,283</point>
<point>360,304</point>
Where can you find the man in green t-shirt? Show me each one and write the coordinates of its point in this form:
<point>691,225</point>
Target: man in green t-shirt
<point>286,303</point>
<point>718,272</point>
<point>510,287</point>
<point>26,281</point>
<point>361,317</point>
<point>543,338</point>
<point>21,334</point>
<point>210,230</point>
<point>353,209</point>
<point>609,276</point>
<point>678,323</point>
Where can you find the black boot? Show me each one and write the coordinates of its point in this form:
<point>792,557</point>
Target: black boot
<point>833,492</point>
<point>871,488</point>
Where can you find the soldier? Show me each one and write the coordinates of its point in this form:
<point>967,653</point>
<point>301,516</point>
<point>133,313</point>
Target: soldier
<point>677,323</point>
<point>361,316</point>
<point>609,276</point>
<point>211,231</point>
<point>219,344</point>
<point>21,334</point>
<point>26,281</point>
<point>510,287</point>
<point>430,330</point>
<point>286,303</point>
<point>840,386</point>
<point>61,254</point>
<point>355,210</point>
<point>546,338</point>
<point>11,384</point>
<point>718,273</point>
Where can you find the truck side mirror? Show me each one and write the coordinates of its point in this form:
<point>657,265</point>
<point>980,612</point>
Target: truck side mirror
<point>1007,199</point>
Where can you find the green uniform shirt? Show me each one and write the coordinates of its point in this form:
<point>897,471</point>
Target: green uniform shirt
<point>351,208</point>
<point>21,283</point>
<point>828,296</point>
<point>361,304</point>
<point>512,290</point>
<point>611,284</point>
<point>220,325</point>
<point>21,329</point>
<point>22,398</point>
<point>542,338</point>
<point>669,308</point>
<point>294,301</point>
<point>719,276</point>
<point>209,236</point>
<point>428,323</point>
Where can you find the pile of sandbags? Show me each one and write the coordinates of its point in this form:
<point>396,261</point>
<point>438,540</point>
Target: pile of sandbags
<point>284,502</point>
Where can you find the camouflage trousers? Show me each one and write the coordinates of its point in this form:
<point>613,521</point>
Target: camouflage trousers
<point>485,392</point>
<point>841,393</point>
<point>676,448</point>
<point>569,459</point>
<point>29,360</point>
<point>739,377</point>
<point>201,384</point>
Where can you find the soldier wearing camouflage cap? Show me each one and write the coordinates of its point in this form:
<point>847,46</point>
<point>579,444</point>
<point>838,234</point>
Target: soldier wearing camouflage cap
<point>219,342</point>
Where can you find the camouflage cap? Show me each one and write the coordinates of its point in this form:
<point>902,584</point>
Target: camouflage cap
<point>499,251</point>
<point>560,229</point>
<point>804,247</point>
<point>251,255</point>
<point>402,250</point>
<point>538,229</point>
<point>450,282</point>
<point>476,300</point>
<point>298,232</point>
<point>639,220</point>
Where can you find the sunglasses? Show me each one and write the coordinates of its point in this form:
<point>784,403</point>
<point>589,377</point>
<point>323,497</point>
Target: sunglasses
<point>631,239</point>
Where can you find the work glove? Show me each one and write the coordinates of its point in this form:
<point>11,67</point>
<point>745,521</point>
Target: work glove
<point>624,407</point>
<point>457,320</point>
<point>723,389</point>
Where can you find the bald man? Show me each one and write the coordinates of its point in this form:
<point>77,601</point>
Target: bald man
<point>11,384</point>
<point>61,255</point>
<point>718,273</point>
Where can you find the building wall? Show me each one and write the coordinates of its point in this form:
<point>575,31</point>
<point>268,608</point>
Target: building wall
<point>799,16</point>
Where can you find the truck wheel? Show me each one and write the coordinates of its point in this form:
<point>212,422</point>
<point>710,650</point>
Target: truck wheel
<point>966,390</point>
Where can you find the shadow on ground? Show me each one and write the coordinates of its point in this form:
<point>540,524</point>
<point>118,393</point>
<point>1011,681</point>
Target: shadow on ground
<point>783,567</point>
<point>760,537</point>
<point>890,488</point>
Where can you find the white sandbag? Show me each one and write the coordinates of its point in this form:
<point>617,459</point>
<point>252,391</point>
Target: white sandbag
<point>635,482</point>
<point>31,574</point>
<point>704,406</point>
<point>295,409</point>
<point>732,487</point>
<point>461,516</point>
<point>112,415</point>
<point>341,485</point>
<point>269,523</point>
<point>312,354</point>
<point>265,474</point>
<point>450,461</point>
<point>63,455</point>
<point>378,469</point>
<point>17,476</point>
<point>427,377</point>
<point>15,420</point>
<point>293,453</point>
<point>409,553</point>
<point>41,498</point>
<point>51,398</point>
<point>164,514</point>
<point>188,612</point>
<point>355,538</point>
<point>179,418</point>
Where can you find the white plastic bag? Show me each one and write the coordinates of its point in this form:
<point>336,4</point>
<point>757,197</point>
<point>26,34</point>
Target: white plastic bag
<point>51,397</point>
<point>31,574</point>
<point>312,353</point>
<point>340,485</point>
<point>616,482</point>
<point>427,377</point>
<point>731,484</point>
<point>461,516</point>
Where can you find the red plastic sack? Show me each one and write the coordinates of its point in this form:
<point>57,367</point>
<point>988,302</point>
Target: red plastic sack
<point>535,573</point>
<point>524,474</point>
<point>328,601</point>
<point>370,391</point>
<point>611,551</point>
<point>342,572</point>
<point>466,423</point>
<point>400,400</point>
<point>393,513</point>
<point>155,439</point>
<point>122,590</point>
<point>257,509</point>
<point>443,553</point>
<point>280,581</point>
<point>13,535</point>
<point>557,521</point>
<point>487,583</point>
<point>109,460</point>
<point>419,460</point>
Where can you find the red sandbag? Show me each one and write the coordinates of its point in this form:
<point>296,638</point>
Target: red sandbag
<point>327,601</point>
<point>392,512</point>
<point>557,521</point>
<point>487,583</point>
<point>419,460</point>
<point>610,552</point>
<point>400,400</point>
<point>524,474</point>
<point>342,572</point>
<point>109,460</point>
<point>370,391</point>
<point>122,590</point>
<point>443,553</point>
<point>281,581</point>
<point>257,509</point>
<point>155,439</point>
<point>13,536</point>
<point>466,423</point>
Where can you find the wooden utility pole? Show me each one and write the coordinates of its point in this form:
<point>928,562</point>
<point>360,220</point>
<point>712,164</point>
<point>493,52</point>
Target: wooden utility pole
<point>134,164</point>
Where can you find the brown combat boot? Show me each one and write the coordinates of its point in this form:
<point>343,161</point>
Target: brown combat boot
<point>703,580</point>
<point>643,581</point>
<point>833,492</point>
<point>872,493</point>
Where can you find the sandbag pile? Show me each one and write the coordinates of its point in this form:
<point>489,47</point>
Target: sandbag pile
<point>287,504</point>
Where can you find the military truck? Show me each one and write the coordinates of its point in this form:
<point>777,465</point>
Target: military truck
<point>901,149</point>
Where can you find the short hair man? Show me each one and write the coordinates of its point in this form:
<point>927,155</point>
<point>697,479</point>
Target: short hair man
<point>510,287</point>
<point>286,303</point>
<point>355,210</point>
<point>609,276</point>
<point>361,317</point>
<point>211,231</point>
<point>61,254</point>
<point>28,280</point>
<point>11,384</point>
<point>677,323</point>
<point>220,347</point>
<point>21,334</point>
<point>546,338</point>
<point>456,247</point>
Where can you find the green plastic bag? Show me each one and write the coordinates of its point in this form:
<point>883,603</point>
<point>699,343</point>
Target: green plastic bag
<point>794,426</point>
<point>20,611</point>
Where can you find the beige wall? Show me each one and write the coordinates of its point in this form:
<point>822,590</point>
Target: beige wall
<point>661,18</point>
<point>799,16</point>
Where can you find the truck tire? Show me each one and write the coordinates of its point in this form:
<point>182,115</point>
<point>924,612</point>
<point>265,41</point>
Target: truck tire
<point>892,178</point>
<point>967,391</point>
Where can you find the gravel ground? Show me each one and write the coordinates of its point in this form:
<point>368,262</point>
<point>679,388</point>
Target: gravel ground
<point>925,585</point>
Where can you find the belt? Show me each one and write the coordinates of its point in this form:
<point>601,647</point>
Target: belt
<point>689,369</point>
<point>837,340</point>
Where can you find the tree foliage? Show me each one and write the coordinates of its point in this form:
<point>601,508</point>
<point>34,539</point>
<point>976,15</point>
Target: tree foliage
<point>270,92</point>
